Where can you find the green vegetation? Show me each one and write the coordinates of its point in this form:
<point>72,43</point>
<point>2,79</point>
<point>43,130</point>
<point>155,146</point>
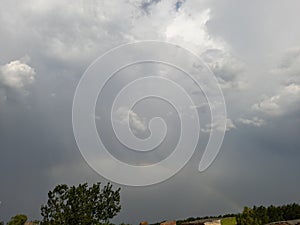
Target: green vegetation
<point>228,221</point>
<point>178,222</point>
<point>81,205</point>
<point>18,220</point>
<point>262,215</point>
<point>84,205</point>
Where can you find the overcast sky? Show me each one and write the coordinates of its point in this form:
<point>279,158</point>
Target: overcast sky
<point>253,48</point>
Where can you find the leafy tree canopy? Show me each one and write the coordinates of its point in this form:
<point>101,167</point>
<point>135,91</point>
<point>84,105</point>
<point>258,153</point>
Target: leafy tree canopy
<point>81,205</point>
<point>262,215</point>
<point>19,219</point>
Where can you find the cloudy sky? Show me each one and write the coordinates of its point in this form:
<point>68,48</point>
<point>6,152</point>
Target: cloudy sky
<point>253,49</point>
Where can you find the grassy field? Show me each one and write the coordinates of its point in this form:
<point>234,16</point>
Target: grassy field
<point>228,221</point>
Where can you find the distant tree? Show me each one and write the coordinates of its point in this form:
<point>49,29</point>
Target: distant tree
<point>275,213</point>
<point>291,211</point>
<point>81,205</point>
<point>261,214</point>
<point>247,217</point>
<point>19,219</point>
<point>1,223</point>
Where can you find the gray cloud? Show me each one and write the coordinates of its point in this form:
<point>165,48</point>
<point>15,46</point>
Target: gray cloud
<point>255,57</point>
<point>285,98</point>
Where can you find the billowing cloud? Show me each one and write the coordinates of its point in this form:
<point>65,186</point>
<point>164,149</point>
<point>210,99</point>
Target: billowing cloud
<point>192,29</point>
<point>287,95</point>
<point>229,71</point>
<point>285,101</point>
<point>15,77</point>
<point>16,74</point>
<point>245,50</point>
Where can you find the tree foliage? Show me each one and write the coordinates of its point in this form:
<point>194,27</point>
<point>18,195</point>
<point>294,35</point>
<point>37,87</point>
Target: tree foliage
<point>19,219</point>
<point>262,215</point>
<point>81,205</point>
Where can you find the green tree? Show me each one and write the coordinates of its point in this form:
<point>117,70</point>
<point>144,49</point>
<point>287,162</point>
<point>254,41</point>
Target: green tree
<point>291,211</point>
<point>19,219</point>
<point>81,205</point>
<point>261,214</point>
<point>275,213</point>
<point>247,217</point>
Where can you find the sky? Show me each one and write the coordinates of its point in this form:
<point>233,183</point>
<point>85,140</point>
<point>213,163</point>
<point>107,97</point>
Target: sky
<point>252,48</point>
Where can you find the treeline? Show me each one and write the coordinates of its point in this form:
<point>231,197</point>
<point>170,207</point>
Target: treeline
<point>263,215</point>
<point>189,219</point>
<point>258,215</point>
<point>204,218</point>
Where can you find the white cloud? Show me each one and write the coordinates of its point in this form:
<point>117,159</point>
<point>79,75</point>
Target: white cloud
<point>281,103</point>
<point>217,126</point>
<point>189,28</point>
<point>16,74</point>
<point>293,89</point>
<point>127,116</point>
<point>269,105</point>
<point>287,95</point>
<point>81,27</point>
<point>230,125</point>
<point>255,121</point>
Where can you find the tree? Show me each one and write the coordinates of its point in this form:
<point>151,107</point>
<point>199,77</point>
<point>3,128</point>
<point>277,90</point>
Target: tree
<point>247,217</point>
<point>81,205</point>
<point>274,213</point>
<point>19,219</point>
<point>261,214</point>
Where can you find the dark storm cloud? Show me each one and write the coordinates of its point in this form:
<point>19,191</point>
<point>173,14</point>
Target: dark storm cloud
<point>252,48</point>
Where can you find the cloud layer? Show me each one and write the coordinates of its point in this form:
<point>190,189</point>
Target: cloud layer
<point>251,47</point>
